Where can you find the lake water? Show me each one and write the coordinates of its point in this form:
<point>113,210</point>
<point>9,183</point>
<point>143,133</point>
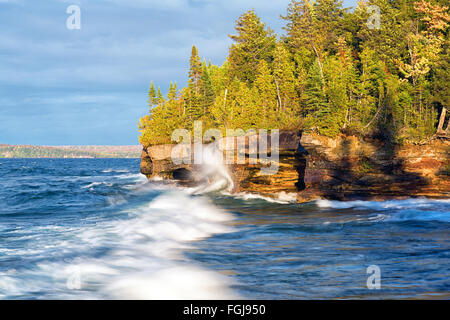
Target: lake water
<point>97,229</point>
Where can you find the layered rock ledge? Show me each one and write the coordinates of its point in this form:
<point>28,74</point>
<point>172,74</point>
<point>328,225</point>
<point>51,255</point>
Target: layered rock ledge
<point>345,168</point>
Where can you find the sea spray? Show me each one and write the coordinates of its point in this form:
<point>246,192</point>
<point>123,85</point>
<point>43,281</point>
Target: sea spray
<point>213,172</point>
<point>131,247</point>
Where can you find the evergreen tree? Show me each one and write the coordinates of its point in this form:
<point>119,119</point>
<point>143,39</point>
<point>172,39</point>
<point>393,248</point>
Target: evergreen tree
<point>152,95</point>
<point>316,100</point>
<point>173,91</point>
<point>253,43</point>
<point>159,97</point>
<point>266,93</point>
<point>206,89</point>
<point>331,74</point>
<point>195,69</point>
<point>314,26</point>
<point>194,110</point>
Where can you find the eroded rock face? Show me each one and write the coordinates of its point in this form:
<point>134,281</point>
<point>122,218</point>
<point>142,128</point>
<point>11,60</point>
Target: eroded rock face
<point>314,167</point>
<point>146,164</point>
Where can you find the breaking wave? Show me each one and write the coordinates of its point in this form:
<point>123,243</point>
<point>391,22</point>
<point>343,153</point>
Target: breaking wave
<point>145,255</point>
<point>420,209</point>
<point>281,198</point>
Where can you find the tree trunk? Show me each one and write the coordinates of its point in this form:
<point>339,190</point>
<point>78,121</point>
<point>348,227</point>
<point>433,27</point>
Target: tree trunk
<point>224,106</point>
<point>318,62</point>
<point>441,122</point>
<point>278,94</point>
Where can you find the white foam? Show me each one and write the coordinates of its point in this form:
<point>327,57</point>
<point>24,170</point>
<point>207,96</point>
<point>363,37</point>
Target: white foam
<point>213,171</point>
<point>290,197</point>
<point>138,177</point>
<point>96,183</point>
<point>115,170</point>
<point>116,200</point>
<point>381,205</point>
<point>10,285</point>
<point>176,283</point>
<point>281,198</point>
<point>421,209</point>
<point>146,259</point>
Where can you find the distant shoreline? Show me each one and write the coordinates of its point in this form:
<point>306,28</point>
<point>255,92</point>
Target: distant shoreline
<point>69,152</point>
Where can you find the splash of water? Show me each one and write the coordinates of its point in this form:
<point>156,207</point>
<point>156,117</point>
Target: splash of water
<point>213,172</point>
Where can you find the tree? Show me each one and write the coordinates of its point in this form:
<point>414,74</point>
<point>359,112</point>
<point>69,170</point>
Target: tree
<point>207,95</point>
<point>369,90</point>
<point>152,95</point>
<point>284,78</point>
<point>159,97</point>
<point>195,68</point>
<point>424,49</point>
<point>330,74</point>
<point>194,110</point>
<point>173,91</point>
<point>314,26</point>
<point>253,43</point>
<point>316,100</point>
<point>266,94</point>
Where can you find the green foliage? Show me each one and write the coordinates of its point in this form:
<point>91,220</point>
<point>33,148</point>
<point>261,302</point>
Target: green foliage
<point>330,73</point>
<point>253,43</point>
<point>152,95</point>
<point>206,90</point>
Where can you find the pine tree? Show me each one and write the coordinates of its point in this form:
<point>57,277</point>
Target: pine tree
<point>314,26</point>
<point>194,110</point>
<point>316,100</point>
<point>368,95</point>
<point>267,94</point>
<point>159,97</point>
<point>253,43</point>
<point>195,69</point>
<point>151,95</point>
<point>173,91</point>
<point>206,89</point>
<point>330,73</point>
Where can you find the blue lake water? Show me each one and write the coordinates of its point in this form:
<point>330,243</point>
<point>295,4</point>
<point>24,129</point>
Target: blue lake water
<point>97,229</point>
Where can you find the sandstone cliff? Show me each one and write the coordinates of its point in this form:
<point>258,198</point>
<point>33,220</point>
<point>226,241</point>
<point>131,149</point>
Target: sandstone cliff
<point>319,167</point>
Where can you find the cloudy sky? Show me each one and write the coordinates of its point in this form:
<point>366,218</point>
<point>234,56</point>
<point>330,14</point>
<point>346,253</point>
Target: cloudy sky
<point>89,86</point>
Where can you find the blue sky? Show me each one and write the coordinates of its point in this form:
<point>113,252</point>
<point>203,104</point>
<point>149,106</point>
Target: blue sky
<point>89,86</point>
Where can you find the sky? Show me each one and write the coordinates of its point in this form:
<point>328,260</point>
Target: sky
<point>88,86</point>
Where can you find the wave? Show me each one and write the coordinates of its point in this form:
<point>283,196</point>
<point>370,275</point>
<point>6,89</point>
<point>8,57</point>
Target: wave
<point>420,209</point>
<point>132,176</point>
<point>280,198</point>
<point>115,170</point>
<point>213,172</point>
<point>97,183</point>
<point>145,257</point>
<point>381,205</point>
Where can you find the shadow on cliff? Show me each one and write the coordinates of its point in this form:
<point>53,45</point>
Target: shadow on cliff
<point>381,174</point>
<point>300,163</point>
<point>398,180</point>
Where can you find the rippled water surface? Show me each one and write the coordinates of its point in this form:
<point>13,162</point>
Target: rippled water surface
<point>96,229</point>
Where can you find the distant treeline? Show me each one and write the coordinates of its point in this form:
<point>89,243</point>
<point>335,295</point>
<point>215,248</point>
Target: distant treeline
<point>22,151</point>
<point>331,73</point>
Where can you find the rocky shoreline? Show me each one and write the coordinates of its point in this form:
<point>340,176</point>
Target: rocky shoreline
<point>313,167</point>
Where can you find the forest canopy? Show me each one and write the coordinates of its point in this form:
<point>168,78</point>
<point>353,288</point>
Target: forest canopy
<point>330,73</point>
